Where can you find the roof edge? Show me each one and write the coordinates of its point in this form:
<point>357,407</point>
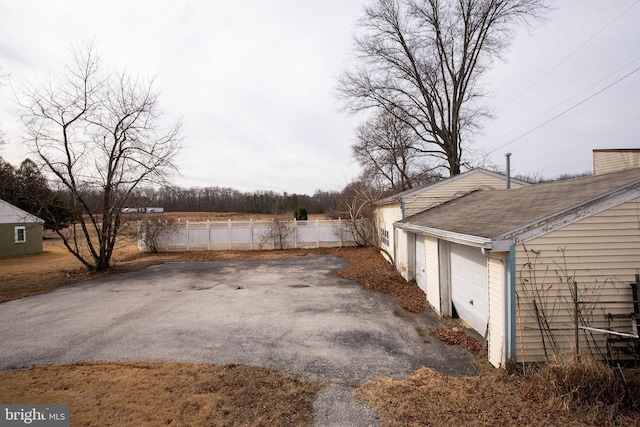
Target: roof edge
<point>449,236</point>
<point>23,213</point>
<point>572,214</point>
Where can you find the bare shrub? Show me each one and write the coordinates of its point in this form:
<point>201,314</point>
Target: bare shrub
<point>152,233</point>
<point>574,382</point>
<point>280,233</point>
<point>550,291</point>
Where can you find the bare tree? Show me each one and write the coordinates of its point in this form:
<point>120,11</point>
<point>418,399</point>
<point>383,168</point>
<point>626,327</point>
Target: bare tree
<point>389,152</point>
<point>99,135</point>
<point>3,140</point>
<point>421,61</point>
<point>361,215</point>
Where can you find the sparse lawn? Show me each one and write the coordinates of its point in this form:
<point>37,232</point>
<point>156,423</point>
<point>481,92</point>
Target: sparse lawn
<point>181,394</point>
<point>172,394</point>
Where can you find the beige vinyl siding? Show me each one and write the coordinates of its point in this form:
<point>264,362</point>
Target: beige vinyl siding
<point>433,273</point>
<point>605,161</point>
<point>496,340</point>
<point>601,253</point>
<point>452,189</point>
<point>387,215</point>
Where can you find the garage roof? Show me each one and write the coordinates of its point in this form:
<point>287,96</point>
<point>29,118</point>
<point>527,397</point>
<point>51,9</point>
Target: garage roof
<point>502,214</point>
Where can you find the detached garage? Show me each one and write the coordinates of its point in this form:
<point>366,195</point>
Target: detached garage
<point>507,262</point>
<point>402,205</point>
<point>20,232</point>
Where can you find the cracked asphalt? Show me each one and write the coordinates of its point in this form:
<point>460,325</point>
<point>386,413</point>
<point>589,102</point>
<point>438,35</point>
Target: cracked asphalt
<point>287,314</point>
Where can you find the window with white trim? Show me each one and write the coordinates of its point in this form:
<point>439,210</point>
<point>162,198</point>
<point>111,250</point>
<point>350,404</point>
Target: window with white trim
<point>21,234</point>
<point>384,236</point>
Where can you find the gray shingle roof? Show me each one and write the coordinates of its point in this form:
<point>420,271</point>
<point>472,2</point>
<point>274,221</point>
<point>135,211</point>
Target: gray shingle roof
<point>491,213</point>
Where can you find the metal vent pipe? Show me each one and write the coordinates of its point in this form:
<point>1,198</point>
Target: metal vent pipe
<point>508,155</point>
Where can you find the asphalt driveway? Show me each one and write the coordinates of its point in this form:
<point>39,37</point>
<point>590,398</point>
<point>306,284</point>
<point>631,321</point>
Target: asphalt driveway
<point>288,314</point>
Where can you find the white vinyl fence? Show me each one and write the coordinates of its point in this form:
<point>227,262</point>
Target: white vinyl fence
<point>162,236</point>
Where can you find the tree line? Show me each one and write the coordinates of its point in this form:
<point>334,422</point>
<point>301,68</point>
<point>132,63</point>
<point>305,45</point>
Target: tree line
<point>225,199</point>
<point>26,187</point>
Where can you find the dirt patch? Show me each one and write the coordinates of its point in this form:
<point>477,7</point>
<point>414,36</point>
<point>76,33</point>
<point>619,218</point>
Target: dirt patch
<point>173,394</point>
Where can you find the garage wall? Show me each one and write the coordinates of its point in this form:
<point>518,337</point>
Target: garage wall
<point>601,252</point>
<point>386,216</point>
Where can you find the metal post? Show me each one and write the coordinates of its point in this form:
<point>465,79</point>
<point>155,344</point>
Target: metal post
<point>508,170</point>
<point>575,318</point>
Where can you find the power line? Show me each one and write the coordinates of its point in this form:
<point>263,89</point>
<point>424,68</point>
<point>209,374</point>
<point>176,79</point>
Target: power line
<point>570,98</point>
<point>565,111</point>
<point>568,56</point>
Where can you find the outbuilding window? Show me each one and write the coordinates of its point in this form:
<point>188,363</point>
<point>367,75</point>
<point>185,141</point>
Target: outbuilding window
<point>21,234</point>
<point>384,237</point>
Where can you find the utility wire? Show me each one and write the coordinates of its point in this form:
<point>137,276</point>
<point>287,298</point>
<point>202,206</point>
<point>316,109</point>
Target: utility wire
<point>568,56</point>
<point>568,99</point>
<point>565,111</point>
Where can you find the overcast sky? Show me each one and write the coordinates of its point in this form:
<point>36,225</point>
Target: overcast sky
<point>255,81</point>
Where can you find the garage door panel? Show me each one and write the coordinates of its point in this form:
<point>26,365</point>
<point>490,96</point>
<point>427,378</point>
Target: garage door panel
<point>469,285</point>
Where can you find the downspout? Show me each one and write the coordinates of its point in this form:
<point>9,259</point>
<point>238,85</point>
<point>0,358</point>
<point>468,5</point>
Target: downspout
<point>511,303</point>
<point>402,207</point>
<point>508,264</point>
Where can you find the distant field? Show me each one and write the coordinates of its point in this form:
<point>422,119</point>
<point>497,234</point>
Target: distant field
<point>211,216</point>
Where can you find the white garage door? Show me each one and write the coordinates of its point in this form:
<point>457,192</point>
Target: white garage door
<point>469,290</point>
<point>421,263</point>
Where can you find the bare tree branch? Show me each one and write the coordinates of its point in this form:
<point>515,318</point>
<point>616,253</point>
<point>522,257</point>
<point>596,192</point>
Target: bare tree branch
<point>421,61</point>
<point>100,134</point>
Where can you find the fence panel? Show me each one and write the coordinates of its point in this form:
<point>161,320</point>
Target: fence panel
<point>244,235</point>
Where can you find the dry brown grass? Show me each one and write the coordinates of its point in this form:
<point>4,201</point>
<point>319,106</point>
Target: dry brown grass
<point>576,383</point>
<point>203,394</point>
<point>173,394</point>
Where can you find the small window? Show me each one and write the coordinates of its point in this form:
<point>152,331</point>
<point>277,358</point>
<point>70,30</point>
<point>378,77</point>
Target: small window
<point>21,234</point>
<point>384,236</point>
